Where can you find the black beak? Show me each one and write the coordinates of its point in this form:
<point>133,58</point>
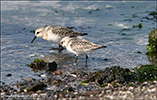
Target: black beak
<point>33,39</point>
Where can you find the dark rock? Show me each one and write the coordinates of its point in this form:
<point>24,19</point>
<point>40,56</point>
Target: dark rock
<point>105,59</point>
<point>52,66</point>
<point>109,75</point>
<point>36,86</point>
<point>9,75</point>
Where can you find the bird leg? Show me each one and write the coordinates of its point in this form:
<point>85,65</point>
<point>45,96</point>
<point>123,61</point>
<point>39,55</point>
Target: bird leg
<point>60,48</point>
<point>86,58</point>
<point>76,59</point>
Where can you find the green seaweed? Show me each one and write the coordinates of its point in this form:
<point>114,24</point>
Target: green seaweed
<point>56,11</point>
<point>146,73</point>
<point>122,76</point>
<point>140,25</point>
<point>152,47</point>
<point>84,83</point>
<point>37,60</point>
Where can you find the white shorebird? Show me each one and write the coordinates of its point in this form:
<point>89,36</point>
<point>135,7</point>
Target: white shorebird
<point>55,33</point>
<point>79,46</point>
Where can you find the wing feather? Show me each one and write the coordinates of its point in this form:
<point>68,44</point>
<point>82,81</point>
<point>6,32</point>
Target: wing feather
<point>63,31</point>
<point>78,44</point>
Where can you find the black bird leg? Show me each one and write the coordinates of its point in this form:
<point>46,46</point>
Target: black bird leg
<point>60,48</point>
<point>86,58</point>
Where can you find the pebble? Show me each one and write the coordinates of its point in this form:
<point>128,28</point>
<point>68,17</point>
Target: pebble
<point>58,72</point>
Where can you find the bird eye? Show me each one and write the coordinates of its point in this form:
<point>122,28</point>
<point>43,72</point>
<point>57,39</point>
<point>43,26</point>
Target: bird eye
<point>38,32</point>
<point>61,42</point>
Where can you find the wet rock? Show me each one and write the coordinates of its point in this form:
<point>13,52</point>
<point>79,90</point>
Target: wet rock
<point>36,86</point>
<point>152,46</point>
<point>8,75</point>
<point>146,73</point>
<point>152,13</point>
<point>68,89</point>
<point>52,66</point>
<point>60,95</point>
<point>88,93</point>
<point>48,80</point>
<point>138,67</point>
<point>55,82</point>
<point>115,73</point>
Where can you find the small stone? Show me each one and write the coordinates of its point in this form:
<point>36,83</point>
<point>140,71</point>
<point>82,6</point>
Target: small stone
<point>105,59</point>
<point>9,75</point>
<point>58,72</point>
<point>138,67</point>
<point>61,95</point>
<point>52,66</point>
<point>55,82</point>
<point>39,91</point>
<point>91,95</point>
<point>48,80</point>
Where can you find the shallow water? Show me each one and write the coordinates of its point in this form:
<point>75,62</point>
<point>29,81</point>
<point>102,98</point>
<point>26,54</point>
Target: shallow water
<point>107,23</point>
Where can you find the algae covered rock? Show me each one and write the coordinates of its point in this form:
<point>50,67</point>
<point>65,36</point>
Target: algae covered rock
<point>36,86</point>
<point>145,73</point>
<point>38,65</point>
<point>125,76</point>
<point>152,46</point>
<point>109,75</point>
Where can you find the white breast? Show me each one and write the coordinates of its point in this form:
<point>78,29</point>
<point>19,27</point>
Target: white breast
<point>54,38</point>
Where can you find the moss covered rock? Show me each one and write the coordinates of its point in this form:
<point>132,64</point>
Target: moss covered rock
<point>119,75</point>
<point>152,46</point>
<point>38,65</point>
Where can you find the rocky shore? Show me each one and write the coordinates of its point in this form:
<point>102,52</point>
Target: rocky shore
<point>111,83</point>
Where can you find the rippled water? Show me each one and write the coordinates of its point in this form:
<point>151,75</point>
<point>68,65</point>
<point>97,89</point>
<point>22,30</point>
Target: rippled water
<point>107,23</point>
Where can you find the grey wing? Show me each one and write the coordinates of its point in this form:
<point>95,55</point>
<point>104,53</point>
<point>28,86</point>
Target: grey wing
<point>81,44</point>
<point>62,31</point>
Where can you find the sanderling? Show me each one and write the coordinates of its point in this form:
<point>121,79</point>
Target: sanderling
<point>55,33</point>
<point>79,46</point>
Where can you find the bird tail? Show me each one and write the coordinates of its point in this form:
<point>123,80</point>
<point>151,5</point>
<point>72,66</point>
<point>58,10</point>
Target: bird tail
<point>84,33</point>
<point>104,47</point>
